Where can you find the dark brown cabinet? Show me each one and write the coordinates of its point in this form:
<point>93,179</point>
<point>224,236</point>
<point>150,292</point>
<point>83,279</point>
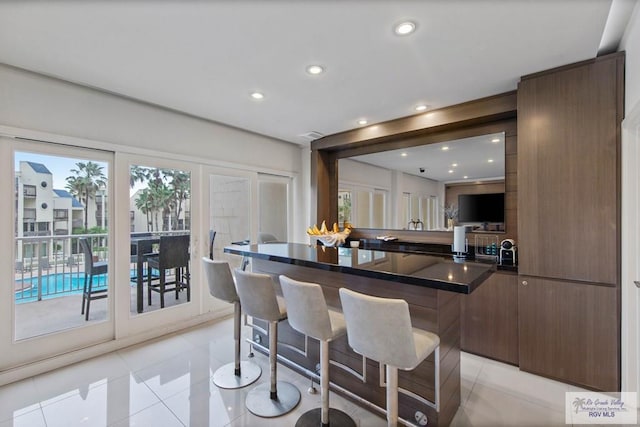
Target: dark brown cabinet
<point>568,332</point>
<point>489,319</point>
<point>569,222</point>
<point>568,178</point>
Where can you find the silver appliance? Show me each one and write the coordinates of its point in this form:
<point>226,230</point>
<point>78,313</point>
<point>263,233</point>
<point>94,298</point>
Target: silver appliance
<point>508,252</point>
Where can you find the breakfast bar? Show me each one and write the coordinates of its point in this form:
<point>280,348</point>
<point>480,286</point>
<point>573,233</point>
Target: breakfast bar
<point>431,283</point>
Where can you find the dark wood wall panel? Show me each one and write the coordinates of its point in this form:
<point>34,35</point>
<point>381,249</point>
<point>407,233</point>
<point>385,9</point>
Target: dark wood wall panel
<point>471,113</point>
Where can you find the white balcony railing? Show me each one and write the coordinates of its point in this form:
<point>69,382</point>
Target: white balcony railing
<point>53,265</point>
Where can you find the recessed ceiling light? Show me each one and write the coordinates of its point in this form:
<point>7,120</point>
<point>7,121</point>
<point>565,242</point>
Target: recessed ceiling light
<point>315,69</point>
<point>362,122</point>
<point>465,177</point>
<point>495,140</point>
<point>450,170</point>
<point>257,95</point>
<point>404,154</point>
<point>490,160</point>
<point>404,28</point>
<point>421,107</point>
<point>454,165</point>
<point>445,148</point>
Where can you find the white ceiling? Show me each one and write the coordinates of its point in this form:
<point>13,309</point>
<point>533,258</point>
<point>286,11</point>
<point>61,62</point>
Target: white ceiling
<point>476,158</point>
<point>204,58</point>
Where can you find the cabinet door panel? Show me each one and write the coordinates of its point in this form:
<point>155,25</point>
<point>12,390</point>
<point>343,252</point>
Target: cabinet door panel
<point>568,128</point>
<point>489,319</point>
<point>569,331</point>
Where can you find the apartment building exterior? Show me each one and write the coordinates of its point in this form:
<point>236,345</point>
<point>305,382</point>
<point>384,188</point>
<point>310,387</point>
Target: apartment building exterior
<point>42,211</point>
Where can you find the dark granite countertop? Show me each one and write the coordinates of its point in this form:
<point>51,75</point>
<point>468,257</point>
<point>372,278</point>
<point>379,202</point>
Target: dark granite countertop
<point>431,249</point>
<point>433,270</point>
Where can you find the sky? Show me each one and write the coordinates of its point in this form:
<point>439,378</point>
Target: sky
<point>59,166</point>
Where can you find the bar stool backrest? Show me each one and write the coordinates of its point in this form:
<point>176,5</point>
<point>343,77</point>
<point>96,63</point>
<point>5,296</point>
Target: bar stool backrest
<point>88,255</point>
<point>306,308</point>
<point>379,328</point>
<point>258,295</point>
<point>220,280</point>
<point>174,251</point>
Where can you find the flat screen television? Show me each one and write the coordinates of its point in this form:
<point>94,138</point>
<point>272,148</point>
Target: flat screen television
<point>481,207</point>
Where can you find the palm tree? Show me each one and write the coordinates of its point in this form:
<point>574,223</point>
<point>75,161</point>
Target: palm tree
<point>160,197</point>
<point>143,203</point>
<point>84,184</point>
<point>138,174</point>
<point>180,186</point>
<point>165,195</point>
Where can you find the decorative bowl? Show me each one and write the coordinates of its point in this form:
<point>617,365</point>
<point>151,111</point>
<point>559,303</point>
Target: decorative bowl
<point>332,239</point>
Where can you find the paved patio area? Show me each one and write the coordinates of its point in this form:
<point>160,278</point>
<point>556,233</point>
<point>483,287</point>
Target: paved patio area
<point>56,314</point>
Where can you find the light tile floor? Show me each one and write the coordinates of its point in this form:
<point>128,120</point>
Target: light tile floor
<point>167,382</point>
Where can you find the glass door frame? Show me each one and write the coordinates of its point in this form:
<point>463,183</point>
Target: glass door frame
<point>210,304</point>
<point>34,349</point>
<point>279,179</point>
<point>137,323</point>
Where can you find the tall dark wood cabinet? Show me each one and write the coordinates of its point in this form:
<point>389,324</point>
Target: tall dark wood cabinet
<point>569,222</point>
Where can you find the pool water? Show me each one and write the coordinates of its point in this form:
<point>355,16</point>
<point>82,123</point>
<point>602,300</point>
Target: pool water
<point>56,285</point>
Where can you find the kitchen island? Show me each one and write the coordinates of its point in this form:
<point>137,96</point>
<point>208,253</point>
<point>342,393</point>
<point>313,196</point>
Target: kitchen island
<point>430,283</point>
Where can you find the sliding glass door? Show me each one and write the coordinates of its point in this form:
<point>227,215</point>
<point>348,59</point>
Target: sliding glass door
<point>60,259</point>
<point>273,208</point>
<point>231,209</point>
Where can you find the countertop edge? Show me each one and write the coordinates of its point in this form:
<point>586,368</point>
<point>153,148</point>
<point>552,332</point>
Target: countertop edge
<point>462,288</point>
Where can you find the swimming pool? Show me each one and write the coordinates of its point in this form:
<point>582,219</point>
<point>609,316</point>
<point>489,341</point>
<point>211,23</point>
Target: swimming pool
<point>55,285</point>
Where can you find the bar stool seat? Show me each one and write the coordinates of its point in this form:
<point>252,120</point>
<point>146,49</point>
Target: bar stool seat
<point>309,315</point>
<point>259,299</point>
<point>380,329</point>
<point>239,373</point>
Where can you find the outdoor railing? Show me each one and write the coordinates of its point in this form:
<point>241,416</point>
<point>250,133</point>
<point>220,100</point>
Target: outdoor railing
<point>55,265</point>
<point>58,268</point>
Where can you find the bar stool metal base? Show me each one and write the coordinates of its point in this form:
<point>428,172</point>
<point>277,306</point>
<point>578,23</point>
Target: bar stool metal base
<point>259,402</point>
<point>337,418</point>
<point>225,376</point>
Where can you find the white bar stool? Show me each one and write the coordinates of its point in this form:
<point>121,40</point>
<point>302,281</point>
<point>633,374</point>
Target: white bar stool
<point>309,315</point>
<point>240,373</point>
<point>258,297</point>
<point>380,329</point>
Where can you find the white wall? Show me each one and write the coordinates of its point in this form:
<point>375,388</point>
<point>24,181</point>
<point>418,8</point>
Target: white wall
<point>630,345</point>
<point>352,172</point>
<point>631,44</point>
<point>33,101</point>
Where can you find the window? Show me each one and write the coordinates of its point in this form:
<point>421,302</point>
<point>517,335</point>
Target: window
<point>159,206</point>
<point>273,208</point>
<point>57,191</point>
<point>344,207</point>
<point>363,207</point>
<point>29,191</point>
